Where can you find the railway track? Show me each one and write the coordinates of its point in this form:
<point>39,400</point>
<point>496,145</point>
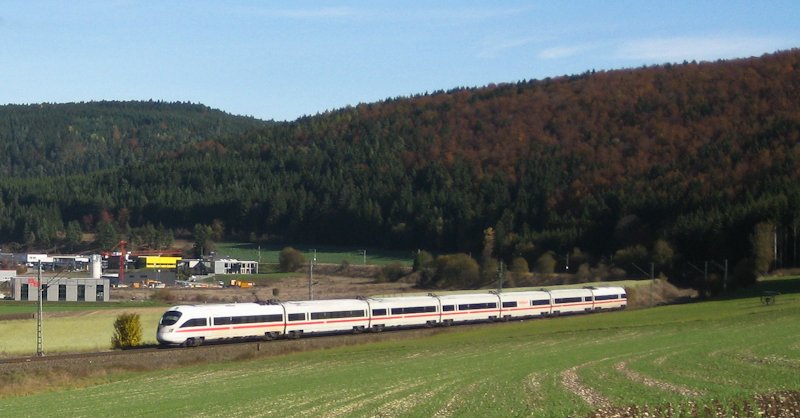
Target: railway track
<point>152,357</point>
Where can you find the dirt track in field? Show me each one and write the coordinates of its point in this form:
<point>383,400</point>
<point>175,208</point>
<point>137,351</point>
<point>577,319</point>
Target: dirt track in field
<point>324,287</point>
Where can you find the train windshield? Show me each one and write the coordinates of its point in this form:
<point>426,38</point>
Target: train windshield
<point>170,318</point>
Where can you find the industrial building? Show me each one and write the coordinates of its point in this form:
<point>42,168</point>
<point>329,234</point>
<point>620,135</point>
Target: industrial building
<point>158,262</point>
<point>231,266</point>
<point>61,289</point>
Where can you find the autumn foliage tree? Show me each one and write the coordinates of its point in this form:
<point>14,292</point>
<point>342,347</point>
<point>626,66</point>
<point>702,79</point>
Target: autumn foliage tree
<point>127,331</point>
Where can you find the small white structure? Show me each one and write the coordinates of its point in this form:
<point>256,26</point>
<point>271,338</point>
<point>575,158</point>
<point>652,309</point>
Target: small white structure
<point>96,266</point>
<point>61,289</point>
<point>33,259</point>
<point>232,266</point>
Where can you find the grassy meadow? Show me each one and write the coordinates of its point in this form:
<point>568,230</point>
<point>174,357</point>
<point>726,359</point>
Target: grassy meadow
<point>719,351</point>
<point>325,255</point>
<point>85,329</point>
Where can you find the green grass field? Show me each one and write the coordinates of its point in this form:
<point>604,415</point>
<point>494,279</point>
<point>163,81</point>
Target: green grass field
<point>719,350</point>
<point>90,330</point>
<point>325,255</point>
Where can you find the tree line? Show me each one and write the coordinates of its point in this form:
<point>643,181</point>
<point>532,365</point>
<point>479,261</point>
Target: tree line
<point>677,163</point>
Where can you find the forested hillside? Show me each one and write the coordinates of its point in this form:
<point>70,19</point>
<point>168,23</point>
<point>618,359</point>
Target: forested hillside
<point>79,138</point>
<point>689,162</point>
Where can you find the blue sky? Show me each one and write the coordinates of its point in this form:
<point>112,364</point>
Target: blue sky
<point>282,60</point>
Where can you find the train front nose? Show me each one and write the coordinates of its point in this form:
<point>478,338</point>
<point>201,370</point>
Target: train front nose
<point>166,327</point>
<point>166,335</point>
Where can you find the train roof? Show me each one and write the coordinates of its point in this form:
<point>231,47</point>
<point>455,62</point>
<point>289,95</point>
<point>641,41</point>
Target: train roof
<point>325,303</point>
<point>403,299</point>
<point>235,308</point>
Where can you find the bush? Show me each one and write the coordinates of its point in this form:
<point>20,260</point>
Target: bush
<point>584,272</point>
<point>290,260</point>
<point>127,331</point>
<point>454,271</point>
<point>546,264</point>
<point>391,272</point>
<point>422,260</point>
<point>519,265</point>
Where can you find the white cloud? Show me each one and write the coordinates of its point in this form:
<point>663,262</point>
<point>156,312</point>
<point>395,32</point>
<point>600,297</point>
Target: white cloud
<point>491,49</point>
<point>559,52</point>
<point>697,48</point>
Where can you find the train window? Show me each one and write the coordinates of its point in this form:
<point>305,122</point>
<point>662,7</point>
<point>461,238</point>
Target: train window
<point>297,317</point>
<point>223,320</point>
<point>194,322</point>
<point>491,305</point>
<point>540,302</point>
<point>170,318</point>
<point>413,310</point>
<point>605,297</point>
<point>336,314</point>
<point>623,296</point>
<point>510,304</point>
<point>448,308</point>
<point>587,299</point>
<point>378,312</point>
<point>568,300</point>
<point>270,318</point>
<point>253,319</point>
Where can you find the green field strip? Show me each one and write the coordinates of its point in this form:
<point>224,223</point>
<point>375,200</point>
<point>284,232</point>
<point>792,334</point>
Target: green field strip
<point>729,350</point>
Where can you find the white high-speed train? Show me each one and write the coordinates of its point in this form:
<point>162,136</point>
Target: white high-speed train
<point>191,325</point>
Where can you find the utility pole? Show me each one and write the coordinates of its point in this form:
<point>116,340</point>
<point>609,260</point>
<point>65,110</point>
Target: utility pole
<point>724,267</point>
<point>500,276</point>
<point>39,334</point>
<point>39,323</point>
<point>725,279</point>
<point>311,275</point>
<point>364,253</point>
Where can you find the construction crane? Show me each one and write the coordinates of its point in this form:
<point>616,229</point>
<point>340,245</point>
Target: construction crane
<point>122,259</point>
<point>123,256</point>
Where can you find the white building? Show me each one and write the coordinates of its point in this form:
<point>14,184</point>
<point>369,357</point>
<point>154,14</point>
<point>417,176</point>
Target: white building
<point>61,289</point>
<point>231,266</point>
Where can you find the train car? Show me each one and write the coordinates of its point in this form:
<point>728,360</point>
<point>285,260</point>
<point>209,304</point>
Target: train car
<point>325,316</point>
<point>526,304</point>
<point>191,325</point>
<point>406,311</point>
<point>570,301</point>
<point>609,298</point>
<point>469,307</point>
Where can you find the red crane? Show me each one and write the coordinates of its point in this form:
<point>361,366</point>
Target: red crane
<point>123,255</point>
<point>122,258</point>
